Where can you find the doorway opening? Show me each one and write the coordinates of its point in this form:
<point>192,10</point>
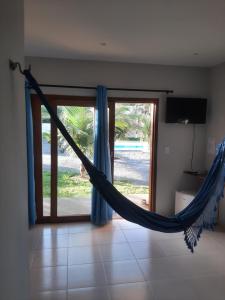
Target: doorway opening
<point>133,149</point>
<point>63,190</point>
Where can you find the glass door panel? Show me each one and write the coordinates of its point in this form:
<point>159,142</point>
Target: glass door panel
<point>73,186</point>
<point>132,151</point>
<point>46,160</point>
<point>63,190</point>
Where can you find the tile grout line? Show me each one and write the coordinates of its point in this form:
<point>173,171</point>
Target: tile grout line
<point>67,273</point>
<point>105,275</point>
<point>134,257</point>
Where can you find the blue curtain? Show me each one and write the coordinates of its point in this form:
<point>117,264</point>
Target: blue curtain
<point>101,211</point>
<point>30,159</point>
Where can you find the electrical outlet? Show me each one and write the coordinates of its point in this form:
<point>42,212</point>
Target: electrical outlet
<point>211,147</point>
<point>167,150</point>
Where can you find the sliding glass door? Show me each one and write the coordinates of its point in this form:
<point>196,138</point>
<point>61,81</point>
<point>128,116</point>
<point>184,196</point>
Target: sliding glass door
<point>63,190</point>
<point>133,148</point>
<point>73,185</point>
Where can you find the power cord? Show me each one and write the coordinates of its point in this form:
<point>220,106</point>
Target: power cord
<point>193,147</point>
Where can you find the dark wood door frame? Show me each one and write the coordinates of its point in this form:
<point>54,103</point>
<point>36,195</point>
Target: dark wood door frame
<point>54,101</point>
<point>154,141</point>
<point>57,100</point>
<point>153,159</point>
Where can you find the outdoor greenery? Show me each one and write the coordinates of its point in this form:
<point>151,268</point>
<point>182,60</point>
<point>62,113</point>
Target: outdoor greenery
<point>122,122</point>
<point>132,122</point>
<point>45,115</point>
<point>71,184</point>
<point>78,121</point>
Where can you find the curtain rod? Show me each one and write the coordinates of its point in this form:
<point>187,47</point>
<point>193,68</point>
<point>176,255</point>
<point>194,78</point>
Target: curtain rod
<point>13,65</point>
<point>109,89</point>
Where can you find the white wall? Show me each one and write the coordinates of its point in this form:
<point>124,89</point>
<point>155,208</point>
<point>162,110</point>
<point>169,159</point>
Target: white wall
<point>13,183</point>
<point>193,82</point>
<point>216,124</point>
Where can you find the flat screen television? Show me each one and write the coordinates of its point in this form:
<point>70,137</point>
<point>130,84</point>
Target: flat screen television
<point>186,110</point>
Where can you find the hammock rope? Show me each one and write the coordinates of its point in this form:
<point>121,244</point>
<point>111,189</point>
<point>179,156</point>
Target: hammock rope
<point>200,214</point>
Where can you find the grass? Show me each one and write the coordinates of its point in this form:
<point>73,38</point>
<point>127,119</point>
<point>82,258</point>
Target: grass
<point>70,184</point>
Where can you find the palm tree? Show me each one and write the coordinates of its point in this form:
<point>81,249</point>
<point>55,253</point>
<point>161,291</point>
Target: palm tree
<point>133,118</point>
<point>144,121</point>
<point>141,118</point>
<point>122,121</point>
<point>79,123</point>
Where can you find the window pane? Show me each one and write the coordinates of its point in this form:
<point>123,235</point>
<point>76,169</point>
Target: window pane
<point>133,140</point>
<point>73,188</point>
<point>46,160</point>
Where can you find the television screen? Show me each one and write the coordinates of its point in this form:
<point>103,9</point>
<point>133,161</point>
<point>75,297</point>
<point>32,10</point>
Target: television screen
<point>186,110</point>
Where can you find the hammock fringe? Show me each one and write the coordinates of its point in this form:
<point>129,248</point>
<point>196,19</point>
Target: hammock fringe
<point>207,220</point>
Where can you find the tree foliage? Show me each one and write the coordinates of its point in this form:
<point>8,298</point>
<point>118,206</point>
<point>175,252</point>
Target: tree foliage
<point>133,121</point>
<point>79,123</point>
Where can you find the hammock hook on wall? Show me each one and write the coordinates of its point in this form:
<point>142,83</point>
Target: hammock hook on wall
<point>14,65</point>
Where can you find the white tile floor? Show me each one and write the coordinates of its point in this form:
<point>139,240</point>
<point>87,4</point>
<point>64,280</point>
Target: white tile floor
<point>123,261</point>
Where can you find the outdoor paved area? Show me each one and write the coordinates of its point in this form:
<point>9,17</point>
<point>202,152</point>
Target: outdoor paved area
<point>82,206</point>
<point>129,165</point>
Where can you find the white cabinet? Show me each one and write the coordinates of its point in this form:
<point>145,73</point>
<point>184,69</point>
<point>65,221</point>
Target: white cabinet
<point>182,199</point>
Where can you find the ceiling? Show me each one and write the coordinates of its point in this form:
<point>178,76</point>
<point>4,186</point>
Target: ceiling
<point>167,32</point>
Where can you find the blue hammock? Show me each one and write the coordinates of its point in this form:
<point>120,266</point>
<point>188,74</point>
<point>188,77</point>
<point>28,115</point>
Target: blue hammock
<point>199,214</point>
